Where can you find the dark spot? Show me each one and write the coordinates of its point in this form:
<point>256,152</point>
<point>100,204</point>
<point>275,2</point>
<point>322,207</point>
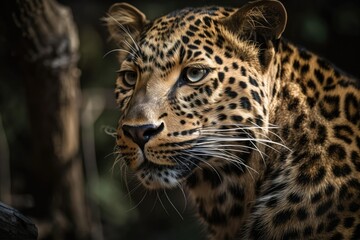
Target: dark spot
<point>285,92</point>
<point>190,34</point>
<point>216,217</point>
<point>163,115</point>
<point>356,233</point>
<point>303,139</point>
<point>230,93</point>
<point>349,222</point>
<point>329,189</point>
<point>272,202</point>
<point>336,152</point>
<point>230,169</point>
<point>319,76</point>
<point>321,134</point>
<point>237,192</point>
<point>320,228</point>
<point>220,108</point>
<point>343,132</point>
<point>333,223</point>
<point>354,207</point>
<point>308,231</point>
<point>296,64</point>
<point>352,108</point>
<point>221,76</point>
<point>237,118</point>
<point>309,175</point>
<point>245,103</point>
<point>294,198</point>
<point>215,84</point>
<point>311,84</point>
<point>323,64</point>
<point>193,28</point>
<point>323,208</point>
<point>218,60</point>
<point>337,236</point>
<point>212,177</point>
<point>341,171</point>
<point>259,121</point>
<point>208,90</point>
<point>242,84</point>
<point>185,39</point>
<point>236,211</point>
<point>343,192</point>
<point>329,107</point>
<point>253,81</point>
<point>311,101</point>
<point>299,120</point>
<point>258,229</point>
<point>243,71</point>
<point>305,69</point>
<point>293,105</point>
<point>232,105</point>
<point>222,117</point>
<point>197,22</point>
<point>208,50</point>
<point>282,217</point>
<point>221,198</point>
<point>302,214</point>
<point>256,96</point>
<point>304,54</point>
<point>291,234</point>
<point>355,158</point>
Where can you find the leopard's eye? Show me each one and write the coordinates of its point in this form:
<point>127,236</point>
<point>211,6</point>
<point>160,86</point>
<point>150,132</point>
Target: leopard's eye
<point>130,77</point>
<point>193,74</point>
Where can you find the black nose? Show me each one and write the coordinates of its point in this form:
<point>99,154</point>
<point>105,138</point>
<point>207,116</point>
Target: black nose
<point>142,134</point>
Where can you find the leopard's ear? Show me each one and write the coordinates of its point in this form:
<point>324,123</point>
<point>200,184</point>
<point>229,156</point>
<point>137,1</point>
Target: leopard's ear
<point>125,23</point>
<point>265,18</point>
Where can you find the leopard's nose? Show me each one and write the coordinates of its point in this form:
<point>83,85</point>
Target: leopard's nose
<point>141,134</point>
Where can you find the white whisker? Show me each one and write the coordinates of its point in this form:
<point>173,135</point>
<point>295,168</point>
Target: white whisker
<point>158,196</point>
<point>171,203</point>
<point>142,199</point>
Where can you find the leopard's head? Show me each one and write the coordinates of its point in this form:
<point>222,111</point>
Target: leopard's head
<point>192,87</point>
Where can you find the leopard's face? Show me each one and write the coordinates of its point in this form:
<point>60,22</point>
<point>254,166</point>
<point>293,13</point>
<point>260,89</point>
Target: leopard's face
<point>190,93</point>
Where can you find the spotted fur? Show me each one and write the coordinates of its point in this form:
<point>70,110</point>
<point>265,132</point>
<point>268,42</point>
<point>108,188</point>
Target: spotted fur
<point>264,135</point>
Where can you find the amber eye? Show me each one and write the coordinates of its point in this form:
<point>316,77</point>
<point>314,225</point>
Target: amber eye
<point>193,74</point>
<point>130,77</point>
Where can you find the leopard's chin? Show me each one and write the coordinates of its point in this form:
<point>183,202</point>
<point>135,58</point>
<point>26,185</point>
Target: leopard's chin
<point>155,176</point>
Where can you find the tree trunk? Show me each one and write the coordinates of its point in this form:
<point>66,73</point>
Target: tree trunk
<point>15,226</point>
<point>46,44</point>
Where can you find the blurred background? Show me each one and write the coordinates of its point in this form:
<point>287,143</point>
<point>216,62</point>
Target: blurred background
<point>127,211</point>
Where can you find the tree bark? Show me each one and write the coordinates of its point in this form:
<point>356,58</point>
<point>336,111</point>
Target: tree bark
<point>15,226</point>
<point>46,44</point>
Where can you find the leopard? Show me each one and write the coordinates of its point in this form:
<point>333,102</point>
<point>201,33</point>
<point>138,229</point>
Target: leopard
<point>263,134</point>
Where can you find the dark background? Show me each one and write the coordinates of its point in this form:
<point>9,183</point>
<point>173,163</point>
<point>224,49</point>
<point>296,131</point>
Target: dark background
<point>329,28</point>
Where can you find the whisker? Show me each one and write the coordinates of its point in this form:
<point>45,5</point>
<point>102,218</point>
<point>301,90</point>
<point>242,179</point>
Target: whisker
<point>125,30</point>
<point>117,50</point>
<point>184,196</point>
<point>173,205</point>
<point>158,196</point>
<point>142,199</point>
<point>184,152</point>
